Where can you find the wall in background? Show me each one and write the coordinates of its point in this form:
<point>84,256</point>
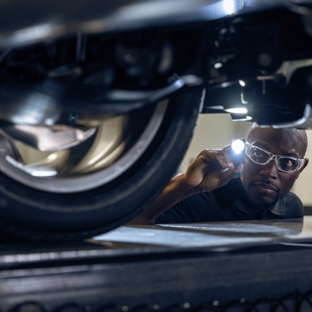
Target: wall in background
<point>218,130</point>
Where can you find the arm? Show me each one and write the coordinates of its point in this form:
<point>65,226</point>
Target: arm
<point>210,170</point>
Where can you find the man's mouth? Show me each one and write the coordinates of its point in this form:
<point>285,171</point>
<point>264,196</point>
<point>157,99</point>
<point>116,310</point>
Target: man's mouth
<point>265,187</point>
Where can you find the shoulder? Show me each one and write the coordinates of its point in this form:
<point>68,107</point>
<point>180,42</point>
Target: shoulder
<point>293,205</point>
<point>293,197</point>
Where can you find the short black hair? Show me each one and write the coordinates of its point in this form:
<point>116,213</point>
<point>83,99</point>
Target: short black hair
<point>291,131</point>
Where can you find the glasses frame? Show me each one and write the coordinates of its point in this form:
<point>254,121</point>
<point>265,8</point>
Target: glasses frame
<point>274,157</point>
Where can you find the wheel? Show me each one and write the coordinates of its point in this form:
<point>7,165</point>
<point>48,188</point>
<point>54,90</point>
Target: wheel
<point>99,184</point>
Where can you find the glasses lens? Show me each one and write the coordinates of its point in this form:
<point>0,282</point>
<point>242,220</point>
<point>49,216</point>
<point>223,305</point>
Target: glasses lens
<point>258,155</point>
<point>287,164</point>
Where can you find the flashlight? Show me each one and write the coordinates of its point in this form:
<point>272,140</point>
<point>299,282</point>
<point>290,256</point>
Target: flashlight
<point>237,153</point>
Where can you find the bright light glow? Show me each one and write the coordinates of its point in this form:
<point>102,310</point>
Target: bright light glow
<point>33,33</point>
<point>242,83</point>
<point>35,172</point>
<point>238,146</point>
<point>217,65</point>
<point>52,157</point>
<point>220,107</point>
<point>49,121</point>
<point>229,6</point>
<point>33,109</point>
<point>237,110</point>
<point>43,173</point>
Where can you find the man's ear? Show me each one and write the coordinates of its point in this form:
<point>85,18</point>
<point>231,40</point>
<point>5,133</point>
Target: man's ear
<point>306,161</point>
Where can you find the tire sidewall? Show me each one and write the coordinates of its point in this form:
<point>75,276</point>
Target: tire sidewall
<point>25,207</point>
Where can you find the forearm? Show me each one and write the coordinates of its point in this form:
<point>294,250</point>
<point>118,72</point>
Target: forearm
<point>176,191</point>
<point>210,170</point>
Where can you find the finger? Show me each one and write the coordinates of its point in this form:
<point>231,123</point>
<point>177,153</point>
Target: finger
<point>217,178</point>
<point>221,158</point>
<point>228,152</point>
<point>228,174</point>
<point>210,155</point>
<point>225,160</point>
<point>231,162</point>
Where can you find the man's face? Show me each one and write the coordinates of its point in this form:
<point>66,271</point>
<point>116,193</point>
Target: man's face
<point>264,184</point>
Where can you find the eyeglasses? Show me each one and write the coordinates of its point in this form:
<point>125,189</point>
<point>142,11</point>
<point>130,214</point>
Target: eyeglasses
<point>262,157</point>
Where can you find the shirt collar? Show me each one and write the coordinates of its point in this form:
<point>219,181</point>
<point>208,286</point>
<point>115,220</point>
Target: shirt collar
<point>242,202</point>
<point>278,208</point>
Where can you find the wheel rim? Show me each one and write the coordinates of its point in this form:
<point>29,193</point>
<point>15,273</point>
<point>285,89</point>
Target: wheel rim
<point>111,153</point>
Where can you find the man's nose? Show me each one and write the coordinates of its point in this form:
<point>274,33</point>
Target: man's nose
<point>270,169</point>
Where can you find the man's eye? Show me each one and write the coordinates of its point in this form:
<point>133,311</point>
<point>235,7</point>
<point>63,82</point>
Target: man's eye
<point>257,153</point>
<point>288,164</point>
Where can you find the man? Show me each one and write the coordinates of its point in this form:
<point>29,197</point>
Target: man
<point>208,190</point>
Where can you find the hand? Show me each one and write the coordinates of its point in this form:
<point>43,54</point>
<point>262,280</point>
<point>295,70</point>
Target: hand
<point>211,169</point>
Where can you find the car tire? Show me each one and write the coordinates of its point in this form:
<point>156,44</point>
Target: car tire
<point>32,214</point>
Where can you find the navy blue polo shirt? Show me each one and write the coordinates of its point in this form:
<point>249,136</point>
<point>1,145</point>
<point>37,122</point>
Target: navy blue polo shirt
<point>229,203</point>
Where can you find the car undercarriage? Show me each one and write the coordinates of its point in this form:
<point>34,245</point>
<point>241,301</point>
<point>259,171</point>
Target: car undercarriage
<point>98,105</point>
